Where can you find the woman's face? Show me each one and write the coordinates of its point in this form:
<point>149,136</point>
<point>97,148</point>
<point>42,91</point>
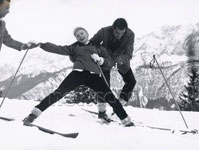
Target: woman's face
<point>4,8</point>
<point>81,36</point>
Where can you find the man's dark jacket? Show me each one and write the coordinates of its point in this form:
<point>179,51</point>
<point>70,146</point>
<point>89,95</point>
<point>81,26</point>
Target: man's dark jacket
<point>121,51</point>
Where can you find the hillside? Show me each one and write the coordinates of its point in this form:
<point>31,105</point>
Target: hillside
<point>92,134</point>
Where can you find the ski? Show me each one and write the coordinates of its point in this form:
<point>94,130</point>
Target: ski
<point>6,118</point>
<point>194,131</point>
<point>68,135</point>
<point>96,113</point>
<point>140,124</point>
<point>92,112</point>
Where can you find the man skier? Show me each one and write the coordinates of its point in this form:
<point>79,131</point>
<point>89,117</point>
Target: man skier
<point>5,38</point>
<point>87,58</point>
<point>118,39</point>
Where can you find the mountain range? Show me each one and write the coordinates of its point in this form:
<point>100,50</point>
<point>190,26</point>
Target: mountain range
<point>42,72</point>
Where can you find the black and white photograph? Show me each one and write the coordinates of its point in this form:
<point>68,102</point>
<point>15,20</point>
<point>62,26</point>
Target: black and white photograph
<point>99,74</point>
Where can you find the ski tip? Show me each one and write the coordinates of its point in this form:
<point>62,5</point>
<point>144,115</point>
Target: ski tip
<point>71,135</point>
<point>194,131</point>
<point>68,135</point>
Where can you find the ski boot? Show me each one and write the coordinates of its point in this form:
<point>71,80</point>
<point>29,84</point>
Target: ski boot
<point>31,117</point>
<point>127,122</point>
<point>103,116</point>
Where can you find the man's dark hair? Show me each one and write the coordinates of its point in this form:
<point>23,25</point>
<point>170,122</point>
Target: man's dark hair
<point>1,1</point>
<point>120,23</point>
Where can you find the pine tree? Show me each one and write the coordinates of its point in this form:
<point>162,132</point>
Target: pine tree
<point>82,94</point>
<point>189,98</point>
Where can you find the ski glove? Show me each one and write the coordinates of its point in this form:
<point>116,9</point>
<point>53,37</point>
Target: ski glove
<point>114,68</point>
<point>30,45</point>
<point>97,59</point>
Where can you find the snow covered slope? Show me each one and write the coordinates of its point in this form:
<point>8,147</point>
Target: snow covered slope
<point>93,135</point>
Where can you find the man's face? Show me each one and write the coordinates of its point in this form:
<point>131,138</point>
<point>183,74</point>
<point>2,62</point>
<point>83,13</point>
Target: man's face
<point>4,8</point>
<point>117,33</point>
<point>82,36</point>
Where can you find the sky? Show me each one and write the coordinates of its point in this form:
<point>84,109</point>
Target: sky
<point>54,20</point>
<point>60,17</point>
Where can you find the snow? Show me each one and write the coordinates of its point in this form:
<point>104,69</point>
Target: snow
<point>67,118</point>
<point>24,24</point>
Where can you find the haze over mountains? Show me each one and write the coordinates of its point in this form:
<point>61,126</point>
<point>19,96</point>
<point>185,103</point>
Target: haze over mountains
<point>42,72</point>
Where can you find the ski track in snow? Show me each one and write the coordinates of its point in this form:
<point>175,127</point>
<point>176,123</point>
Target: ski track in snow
<point>92,134</point>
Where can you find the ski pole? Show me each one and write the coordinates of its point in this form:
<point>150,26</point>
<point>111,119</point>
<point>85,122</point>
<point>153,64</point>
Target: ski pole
<point>13,78</point>
<point>103,75</point>
<point>155,60</point>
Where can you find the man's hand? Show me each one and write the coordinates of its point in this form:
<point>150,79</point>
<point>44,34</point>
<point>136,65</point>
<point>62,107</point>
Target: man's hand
<point>97,59</point>
<point>30,45</point>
